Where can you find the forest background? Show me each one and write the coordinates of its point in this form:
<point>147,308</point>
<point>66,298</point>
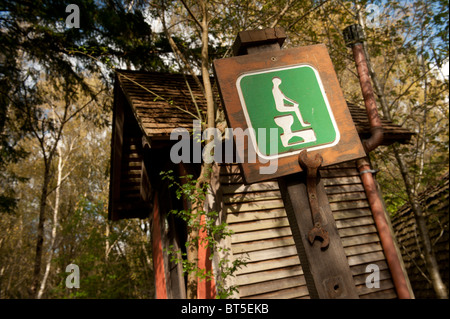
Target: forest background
<point>56,80</point>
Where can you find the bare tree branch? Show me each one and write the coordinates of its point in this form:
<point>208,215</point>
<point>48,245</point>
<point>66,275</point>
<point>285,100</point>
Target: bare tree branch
<point>191,14</point>
<point>281,13</point>
<point>306,14</point>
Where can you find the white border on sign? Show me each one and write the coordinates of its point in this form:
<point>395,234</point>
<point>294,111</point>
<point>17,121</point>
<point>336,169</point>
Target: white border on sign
<point>252,130</point>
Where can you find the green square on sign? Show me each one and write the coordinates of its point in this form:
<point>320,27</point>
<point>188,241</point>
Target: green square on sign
<point>292,102</point>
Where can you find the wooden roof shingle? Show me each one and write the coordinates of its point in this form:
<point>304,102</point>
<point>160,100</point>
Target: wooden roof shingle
<point>163,101</point>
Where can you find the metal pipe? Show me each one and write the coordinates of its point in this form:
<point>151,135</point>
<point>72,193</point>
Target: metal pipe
<point>376,128</point>
<point>387,242</point>
<point>354,38</point>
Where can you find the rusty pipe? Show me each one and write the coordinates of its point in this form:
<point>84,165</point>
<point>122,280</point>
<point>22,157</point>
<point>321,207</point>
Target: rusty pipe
<point>387,241</point>
<point>376,129</point>
<point>354,38</point>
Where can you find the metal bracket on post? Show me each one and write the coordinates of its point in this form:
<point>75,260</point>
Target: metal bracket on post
<point>311,166</point>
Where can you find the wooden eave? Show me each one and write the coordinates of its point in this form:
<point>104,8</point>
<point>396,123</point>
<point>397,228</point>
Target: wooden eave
<point>162,102</point>
<point>392,132</point>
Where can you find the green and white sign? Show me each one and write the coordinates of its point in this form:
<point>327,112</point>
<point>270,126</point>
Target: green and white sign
<point>291,100</point>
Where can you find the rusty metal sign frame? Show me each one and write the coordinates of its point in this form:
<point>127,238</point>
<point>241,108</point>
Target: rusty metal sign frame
<point>229,70</point>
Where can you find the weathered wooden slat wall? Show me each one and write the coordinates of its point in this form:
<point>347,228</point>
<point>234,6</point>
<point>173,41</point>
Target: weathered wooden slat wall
<point>256,214</point>
<point>435,205</point>
<point>128,183</point>
<point>262,235</point>
<point>131,170</point>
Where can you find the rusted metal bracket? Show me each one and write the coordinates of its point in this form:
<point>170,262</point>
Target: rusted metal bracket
<point>311,166</point>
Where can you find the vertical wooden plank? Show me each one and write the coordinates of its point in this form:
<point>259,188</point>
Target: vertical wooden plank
<point>176,287</point>
<point>158,259</point>
<point>326,271</point>
<point>116,153</point>
<point>205,289</point>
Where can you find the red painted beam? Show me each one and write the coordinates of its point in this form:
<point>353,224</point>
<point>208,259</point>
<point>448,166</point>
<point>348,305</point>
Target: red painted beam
<point>158,258</point>
<point>205,288</point>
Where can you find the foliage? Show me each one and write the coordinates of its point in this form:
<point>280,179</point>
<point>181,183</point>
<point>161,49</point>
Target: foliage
<point>35,41</point>
<point>408,52</point>
<point>45,66</point>
<point>122,274</point>
<point>213,232</point>
<point>114,260</point>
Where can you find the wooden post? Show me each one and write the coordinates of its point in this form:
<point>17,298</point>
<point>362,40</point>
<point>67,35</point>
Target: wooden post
<point>158,257</point>
<point>326,271</point>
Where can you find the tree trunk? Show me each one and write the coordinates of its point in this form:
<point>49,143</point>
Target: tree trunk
<point>192,257</point>
<point>107,243</point>
<point>54,227</point>
<point>205,173</point>
<point>40,231</point>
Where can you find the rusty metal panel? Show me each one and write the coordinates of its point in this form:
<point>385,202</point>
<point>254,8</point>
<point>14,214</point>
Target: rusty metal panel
<point>237,75</point>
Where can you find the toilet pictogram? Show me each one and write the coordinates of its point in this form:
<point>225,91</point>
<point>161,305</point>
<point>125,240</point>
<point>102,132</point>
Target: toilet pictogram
<point>291,100</point>
<point>286,105</point>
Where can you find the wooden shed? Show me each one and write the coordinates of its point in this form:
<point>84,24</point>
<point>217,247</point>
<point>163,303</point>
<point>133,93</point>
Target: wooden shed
<point>435,205</point>
<point>145,115</point>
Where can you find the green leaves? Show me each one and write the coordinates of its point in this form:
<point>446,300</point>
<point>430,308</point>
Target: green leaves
<point>210,234</point>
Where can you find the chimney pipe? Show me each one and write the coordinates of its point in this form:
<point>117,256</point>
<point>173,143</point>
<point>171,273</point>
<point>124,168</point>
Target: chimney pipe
<point>354,37</point>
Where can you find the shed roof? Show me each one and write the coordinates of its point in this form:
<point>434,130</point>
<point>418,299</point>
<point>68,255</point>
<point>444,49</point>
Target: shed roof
<point>163,101</point>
